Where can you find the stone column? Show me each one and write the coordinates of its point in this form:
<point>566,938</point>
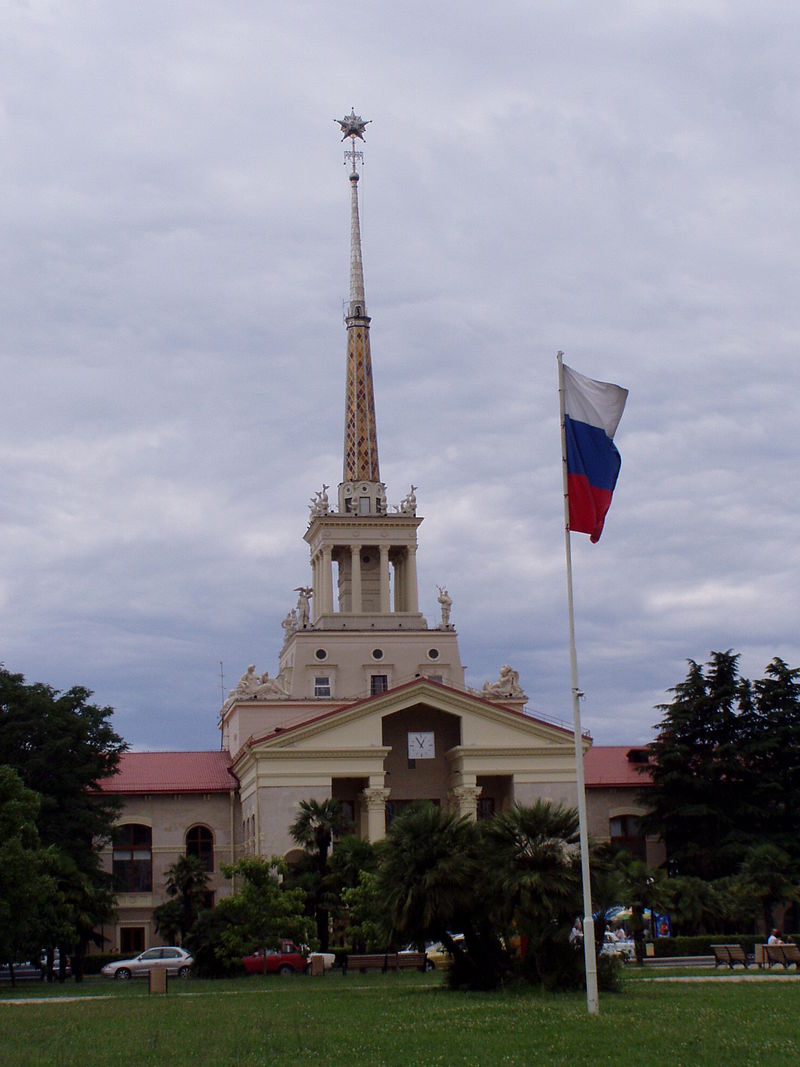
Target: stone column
<point>410,575</point>
<point>326,582</point>
<point>384,552</point>
<point>375,798</point>
<point>463,800</point>
<point>399,594</point>
<point>355,579</point>
<point>315,585</point>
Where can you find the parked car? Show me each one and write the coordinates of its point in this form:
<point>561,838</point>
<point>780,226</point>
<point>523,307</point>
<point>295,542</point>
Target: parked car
<point>25,971</point>
<point>288,959</point>
<point>176,961</point>
<point>437,956</point>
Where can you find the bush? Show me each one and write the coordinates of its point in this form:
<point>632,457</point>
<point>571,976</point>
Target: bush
<point>609,974</point>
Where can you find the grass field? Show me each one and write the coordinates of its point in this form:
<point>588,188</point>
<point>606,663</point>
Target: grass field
<point>388,1020</point>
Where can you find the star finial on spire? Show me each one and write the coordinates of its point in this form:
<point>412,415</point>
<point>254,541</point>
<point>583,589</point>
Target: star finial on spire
<point>353,125</point>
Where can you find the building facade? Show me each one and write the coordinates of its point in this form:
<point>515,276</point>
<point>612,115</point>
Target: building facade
<point>368,704</point>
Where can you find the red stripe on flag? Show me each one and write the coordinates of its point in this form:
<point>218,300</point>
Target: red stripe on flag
<point>587,506</point>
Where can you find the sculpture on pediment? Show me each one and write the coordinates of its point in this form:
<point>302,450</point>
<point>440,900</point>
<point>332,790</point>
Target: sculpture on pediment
<point>248,683</point>
<point>270,687</point>
<point>446,602</point>
<point>252,686</point>
<point>506,687</point>
<point>318,505</point>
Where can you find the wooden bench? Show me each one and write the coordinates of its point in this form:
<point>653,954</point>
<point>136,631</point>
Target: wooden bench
<point>785,954</point>
<point>729,955</point>
<point>386,961</point>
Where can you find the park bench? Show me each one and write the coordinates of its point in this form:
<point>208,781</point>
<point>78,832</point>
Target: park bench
<point>385,961</point>
<point>729,955</point>
<point>785,954</point>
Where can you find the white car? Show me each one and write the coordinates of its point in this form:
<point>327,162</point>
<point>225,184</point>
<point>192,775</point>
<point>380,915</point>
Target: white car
<point>176,961</point>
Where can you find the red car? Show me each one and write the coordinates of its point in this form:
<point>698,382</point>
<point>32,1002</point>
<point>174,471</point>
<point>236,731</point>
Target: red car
<point>289,959</point>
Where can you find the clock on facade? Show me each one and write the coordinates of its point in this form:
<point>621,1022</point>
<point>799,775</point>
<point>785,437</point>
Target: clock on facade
<point>420,745</point>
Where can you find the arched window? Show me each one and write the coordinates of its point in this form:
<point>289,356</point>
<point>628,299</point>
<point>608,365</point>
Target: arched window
<point>132,847</point>
<point>627,835</point>
<point>200,843</point>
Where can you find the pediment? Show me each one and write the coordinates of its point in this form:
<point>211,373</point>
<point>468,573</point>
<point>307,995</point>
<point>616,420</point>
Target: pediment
<point>484,725</point>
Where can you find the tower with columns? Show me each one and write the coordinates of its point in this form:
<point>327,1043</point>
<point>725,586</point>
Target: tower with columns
<point>364,587</point>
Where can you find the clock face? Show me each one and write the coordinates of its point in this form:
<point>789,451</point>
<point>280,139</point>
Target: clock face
<point>421,745</point>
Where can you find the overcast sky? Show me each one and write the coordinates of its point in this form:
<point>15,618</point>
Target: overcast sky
<point>616,180</point>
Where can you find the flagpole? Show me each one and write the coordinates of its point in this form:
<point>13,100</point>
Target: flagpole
<point>589,953</point>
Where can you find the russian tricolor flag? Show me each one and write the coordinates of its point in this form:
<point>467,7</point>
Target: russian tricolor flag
<point>592,411</point>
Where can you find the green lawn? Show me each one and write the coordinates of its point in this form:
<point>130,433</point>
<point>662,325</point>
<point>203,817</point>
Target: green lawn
<point>400,1019</point>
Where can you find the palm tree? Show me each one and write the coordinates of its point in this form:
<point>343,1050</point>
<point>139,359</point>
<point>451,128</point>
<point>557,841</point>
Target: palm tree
<point>536,864</point>
<point>768,874</point>
<point>644,887</point>
<point>694,904</point>
<point>433,882</point>
<point>315,828</point>
<point>426,872</point>
<point>187,885</point>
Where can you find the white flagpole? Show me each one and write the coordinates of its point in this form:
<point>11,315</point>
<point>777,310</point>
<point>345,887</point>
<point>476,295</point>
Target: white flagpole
<point>592,1000</point>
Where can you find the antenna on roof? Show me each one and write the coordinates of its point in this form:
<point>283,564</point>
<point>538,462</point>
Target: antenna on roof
<point>221,682</point>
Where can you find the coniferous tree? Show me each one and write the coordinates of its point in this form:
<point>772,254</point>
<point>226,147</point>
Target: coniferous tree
<point>726,767</point>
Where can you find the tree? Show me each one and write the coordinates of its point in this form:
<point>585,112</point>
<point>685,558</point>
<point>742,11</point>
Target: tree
<point>432,879</point>
<point>534,856</point>
<point>315,828</point>
<point>726,767</point>
<point>697,772</point>
<point>352,858</point>
<point>187,885</point>
<point>61,745</point>
<point>644,888</point>
<point>695,906</point>
<point>367,929</point>
<point>25,885</point>
<point>769,877</point>
<point>772,740</point>
<point>257,916</point>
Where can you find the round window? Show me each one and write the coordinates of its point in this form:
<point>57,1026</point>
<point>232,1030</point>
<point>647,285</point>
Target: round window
<point>377,653</point>
<point>321,654</point>
<point>433,653</point>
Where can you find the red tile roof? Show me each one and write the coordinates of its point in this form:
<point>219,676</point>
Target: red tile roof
<point>609,766</point>
<point>171,772</point>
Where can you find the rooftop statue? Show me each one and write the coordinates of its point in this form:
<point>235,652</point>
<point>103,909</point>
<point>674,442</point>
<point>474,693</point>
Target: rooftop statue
<point>408,505</point>
<point>318,505</point>
<point>446,602</point>
<point>506,687</point>
<point>302,608</point>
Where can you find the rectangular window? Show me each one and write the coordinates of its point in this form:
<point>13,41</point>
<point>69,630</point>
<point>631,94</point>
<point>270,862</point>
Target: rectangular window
<point>485,808</point>
<point>322,686</point>
<point>363,505</point>
<point>378,683</point>
<point>132,859</point>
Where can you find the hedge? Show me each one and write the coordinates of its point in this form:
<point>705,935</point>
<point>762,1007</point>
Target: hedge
<point>701,946</point>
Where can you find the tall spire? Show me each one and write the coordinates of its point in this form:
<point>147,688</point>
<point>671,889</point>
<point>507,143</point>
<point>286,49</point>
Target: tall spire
<point>360,431</point>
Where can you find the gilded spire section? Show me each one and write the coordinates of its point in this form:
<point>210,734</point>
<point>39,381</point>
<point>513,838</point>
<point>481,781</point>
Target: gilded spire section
<point>360,431</point>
